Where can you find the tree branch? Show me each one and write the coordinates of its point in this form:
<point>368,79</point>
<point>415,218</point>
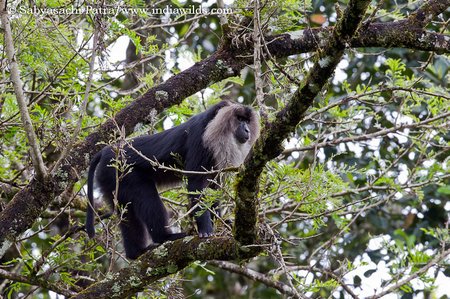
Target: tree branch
<point>37,281</point>
<point>366,136</point>
<point>35,151</point>
<point>77,130</point>
<point>270,144</point>
<point>427,12</point>
<point>397,34</point>
<point>32,200</point>
<point>433,262</point>
<point>256,276</point>
<point>164,260</point>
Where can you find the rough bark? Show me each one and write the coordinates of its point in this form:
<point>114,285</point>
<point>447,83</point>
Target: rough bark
<point>171,257</point>
<point>270,143</point>
<point>167,259</point>
<point>32,200</point>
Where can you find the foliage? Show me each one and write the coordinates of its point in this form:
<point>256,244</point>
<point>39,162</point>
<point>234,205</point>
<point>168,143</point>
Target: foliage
<point>360,193</point>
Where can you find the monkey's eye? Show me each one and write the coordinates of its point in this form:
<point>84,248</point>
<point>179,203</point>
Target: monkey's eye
<point>241,119</point>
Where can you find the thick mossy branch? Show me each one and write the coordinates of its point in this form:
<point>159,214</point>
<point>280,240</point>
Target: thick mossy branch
<point>164,260</point>
<point>270,143</point>
<point>398,34</point>
<point>427,12</point>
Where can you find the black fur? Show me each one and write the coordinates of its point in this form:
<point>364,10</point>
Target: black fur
<point>145,212</point>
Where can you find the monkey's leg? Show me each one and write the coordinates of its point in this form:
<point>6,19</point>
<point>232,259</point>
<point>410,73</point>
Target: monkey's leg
<point>149,208</point>
<point>204,222</point>
<point>134,233</point>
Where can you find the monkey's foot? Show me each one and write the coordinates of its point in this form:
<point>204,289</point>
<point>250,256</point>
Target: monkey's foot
<point>205,235</point>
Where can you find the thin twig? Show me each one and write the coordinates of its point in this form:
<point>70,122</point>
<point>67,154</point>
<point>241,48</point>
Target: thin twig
<point>36,155</point>
<point>438,258</point>
<point>256,276</point>
<point>77,130</point>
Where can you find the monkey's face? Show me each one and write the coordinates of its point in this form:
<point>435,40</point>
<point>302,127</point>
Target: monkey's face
<point>230,134</point>
<point>242,132</point>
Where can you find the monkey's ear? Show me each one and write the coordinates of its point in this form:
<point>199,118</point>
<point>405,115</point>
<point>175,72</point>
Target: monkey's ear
<point>220,105</point>
<point>226,102</point>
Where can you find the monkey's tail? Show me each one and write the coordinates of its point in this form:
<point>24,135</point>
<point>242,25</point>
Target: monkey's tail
<point>90,229</point>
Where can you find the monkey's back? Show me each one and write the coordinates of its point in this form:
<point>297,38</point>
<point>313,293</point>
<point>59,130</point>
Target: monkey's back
<point>180,147</point>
